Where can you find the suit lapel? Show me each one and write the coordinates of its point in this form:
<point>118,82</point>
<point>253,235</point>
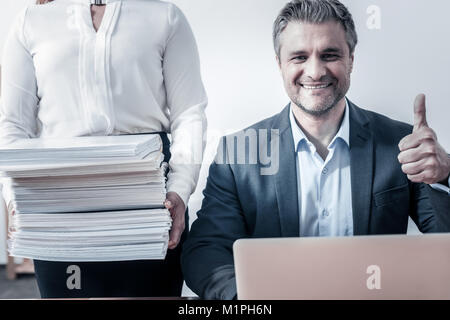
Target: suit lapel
<point>361,168</point>
<point>286,178</point>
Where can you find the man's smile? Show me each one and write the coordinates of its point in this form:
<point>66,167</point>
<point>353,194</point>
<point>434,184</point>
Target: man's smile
<point>315,86</point>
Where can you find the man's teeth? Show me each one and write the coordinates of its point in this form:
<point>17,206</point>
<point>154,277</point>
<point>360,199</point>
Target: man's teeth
<point>315,87</point>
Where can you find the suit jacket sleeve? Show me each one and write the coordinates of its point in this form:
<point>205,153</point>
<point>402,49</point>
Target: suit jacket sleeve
<point>431,209</point>
<point>207,258</point>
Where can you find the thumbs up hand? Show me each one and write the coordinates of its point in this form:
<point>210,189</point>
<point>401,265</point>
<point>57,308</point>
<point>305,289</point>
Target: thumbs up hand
<point>422,157</point>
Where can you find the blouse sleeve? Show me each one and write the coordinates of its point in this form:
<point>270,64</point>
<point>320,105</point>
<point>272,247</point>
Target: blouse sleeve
<point>19,101</point>
<point>187,101</point>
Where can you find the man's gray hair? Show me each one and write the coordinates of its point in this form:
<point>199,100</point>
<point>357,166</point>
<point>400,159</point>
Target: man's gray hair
<point>315,11</point>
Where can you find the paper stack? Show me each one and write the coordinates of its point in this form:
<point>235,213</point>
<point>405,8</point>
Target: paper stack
<point>86,198</point>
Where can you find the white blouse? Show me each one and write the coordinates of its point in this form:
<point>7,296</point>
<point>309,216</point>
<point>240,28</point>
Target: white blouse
<point>138,73</point>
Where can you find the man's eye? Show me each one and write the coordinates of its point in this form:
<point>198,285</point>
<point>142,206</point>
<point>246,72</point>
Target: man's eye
<point>300,58</point>
<point>330,57</point>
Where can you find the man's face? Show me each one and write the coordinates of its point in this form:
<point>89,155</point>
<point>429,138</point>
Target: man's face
<point>316,64</point>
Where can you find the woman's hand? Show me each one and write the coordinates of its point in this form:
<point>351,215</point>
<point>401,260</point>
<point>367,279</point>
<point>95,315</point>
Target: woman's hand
<point>177,211</point>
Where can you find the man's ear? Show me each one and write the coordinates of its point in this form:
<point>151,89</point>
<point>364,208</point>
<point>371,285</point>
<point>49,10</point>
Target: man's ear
<point>278,62</point>
<point>352,60</point>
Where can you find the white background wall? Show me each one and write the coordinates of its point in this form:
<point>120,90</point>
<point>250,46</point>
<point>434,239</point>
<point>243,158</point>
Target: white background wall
<point>407,56</point>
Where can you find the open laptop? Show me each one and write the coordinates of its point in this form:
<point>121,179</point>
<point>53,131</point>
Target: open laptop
<point>363,267</point>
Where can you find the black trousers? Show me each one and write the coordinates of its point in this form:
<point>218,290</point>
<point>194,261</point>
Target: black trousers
<point>143,278</point>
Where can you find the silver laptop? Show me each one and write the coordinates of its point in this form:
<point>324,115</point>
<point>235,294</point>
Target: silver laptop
<point>368,267</point>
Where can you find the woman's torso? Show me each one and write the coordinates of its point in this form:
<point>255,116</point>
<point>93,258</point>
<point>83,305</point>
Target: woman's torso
<point>105,82</point>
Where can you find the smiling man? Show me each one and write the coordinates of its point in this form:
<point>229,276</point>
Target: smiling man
<point>316,63</point>
<point>343,170</point>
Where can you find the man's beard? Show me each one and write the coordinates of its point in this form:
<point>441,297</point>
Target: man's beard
<point>330,102</point>
<point>319,111</point>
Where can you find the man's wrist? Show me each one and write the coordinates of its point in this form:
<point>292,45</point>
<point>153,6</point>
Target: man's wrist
<point>446,182</point>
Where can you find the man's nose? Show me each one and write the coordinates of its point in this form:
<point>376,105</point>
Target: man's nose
<point>315,68</point>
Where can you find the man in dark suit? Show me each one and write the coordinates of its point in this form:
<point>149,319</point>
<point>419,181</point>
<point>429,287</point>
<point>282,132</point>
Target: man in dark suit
<point>339,170</point>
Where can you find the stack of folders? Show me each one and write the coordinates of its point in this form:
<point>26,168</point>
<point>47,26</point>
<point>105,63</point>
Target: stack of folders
<point>86,198</point>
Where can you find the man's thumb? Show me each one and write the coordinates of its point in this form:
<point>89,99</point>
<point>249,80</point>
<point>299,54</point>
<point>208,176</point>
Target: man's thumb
<point>420,117</point>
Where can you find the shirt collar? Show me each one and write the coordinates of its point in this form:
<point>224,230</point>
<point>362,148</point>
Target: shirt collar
<point>342,134</point>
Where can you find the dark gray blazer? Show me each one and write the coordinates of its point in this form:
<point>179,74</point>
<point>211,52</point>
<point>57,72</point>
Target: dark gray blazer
<point>239,202</point>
